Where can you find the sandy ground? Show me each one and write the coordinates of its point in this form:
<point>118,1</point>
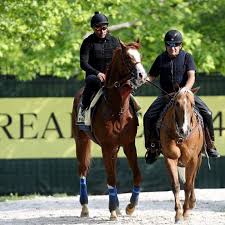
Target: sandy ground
<point>154,208</point>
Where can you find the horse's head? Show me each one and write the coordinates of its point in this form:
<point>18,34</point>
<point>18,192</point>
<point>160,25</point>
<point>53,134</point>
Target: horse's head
<point>183,102</point>
<point>126,68</point>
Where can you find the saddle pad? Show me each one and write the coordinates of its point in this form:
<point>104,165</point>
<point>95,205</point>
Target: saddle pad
<point>86,119</point>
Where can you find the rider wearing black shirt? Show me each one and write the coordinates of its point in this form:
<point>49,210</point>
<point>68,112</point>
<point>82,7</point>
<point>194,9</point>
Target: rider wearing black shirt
<point>176,68</point>
<point>95,55</point>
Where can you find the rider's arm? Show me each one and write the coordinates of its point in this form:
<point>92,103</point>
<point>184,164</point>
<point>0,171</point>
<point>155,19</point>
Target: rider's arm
<point>191,79</point>
<point>150,78</point>
<point>154,70</point>
<point>190,68</point>
<point>84,58</point>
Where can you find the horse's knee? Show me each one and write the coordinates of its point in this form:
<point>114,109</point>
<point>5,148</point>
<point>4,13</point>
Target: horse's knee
<point>175,187</point>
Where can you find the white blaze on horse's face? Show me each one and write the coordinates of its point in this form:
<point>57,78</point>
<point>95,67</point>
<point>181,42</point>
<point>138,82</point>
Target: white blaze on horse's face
<point>186,117</point>
<point>141,73</point>
<point>184,129</point>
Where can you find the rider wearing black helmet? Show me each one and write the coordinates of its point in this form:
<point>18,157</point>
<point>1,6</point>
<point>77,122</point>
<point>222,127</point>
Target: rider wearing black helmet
<point>99,19</point>
<point>175,68</point>
<point>95,55</point>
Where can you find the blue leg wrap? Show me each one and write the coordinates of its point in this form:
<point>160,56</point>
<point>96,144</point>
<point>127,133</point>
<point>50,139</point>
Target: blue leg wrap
<point>135,195</point>
<point>113,199</point>
<point>83,191</point>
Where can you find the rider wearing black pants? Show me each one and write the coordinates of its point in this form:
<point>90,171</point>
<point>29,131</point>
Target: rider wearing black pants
<point>175,68</point>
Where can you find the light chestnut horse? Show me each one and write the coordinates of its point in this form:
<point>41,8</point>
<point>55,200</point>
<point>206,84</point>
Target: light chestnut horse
<point>114,126</point>
<point>181,138</point>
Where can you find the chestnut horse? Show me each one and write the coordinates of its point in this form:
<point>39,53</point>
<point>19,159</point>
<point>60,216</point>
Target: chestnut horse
<point>114,125</point>
<point>181,138</point>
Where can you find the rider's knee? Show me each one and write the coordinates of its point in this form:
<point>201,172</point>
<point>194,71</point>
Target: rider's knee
<point>93,80</point>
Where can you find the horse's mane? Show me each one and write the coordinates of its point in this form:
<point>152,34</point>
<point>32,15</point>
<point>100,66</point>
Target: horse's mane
<point>134,45</point>
<point>183,91</point>
<point>109,67</point>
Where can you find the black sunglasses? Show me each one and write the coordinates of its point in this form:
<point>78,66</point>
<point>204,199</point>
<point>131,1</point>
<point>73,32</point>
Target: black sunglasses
<point>101,28</point>
<point>172,44</point>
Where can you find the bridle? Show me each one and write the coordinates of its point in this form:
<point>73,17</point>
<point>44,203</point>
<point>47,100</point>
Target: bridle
<point>129,79</point>
<point>180,138</point>
<point>131,73</point>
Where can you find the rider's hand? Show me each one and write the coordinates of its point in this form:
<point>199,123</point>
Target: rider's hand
<point>101,76</point>
<point>147,80</point>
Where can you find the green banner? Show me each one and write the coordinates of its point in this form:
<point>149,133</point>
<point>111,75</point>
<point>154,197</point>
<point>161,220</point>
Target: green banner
<point>41,127</point>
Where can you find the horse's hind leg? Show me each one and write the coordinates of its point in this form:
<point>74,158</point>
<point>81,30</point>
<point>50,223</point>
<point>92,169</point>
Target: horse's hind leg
<point>173,172</point>
<point>131,154</point>
<point>83,145</point>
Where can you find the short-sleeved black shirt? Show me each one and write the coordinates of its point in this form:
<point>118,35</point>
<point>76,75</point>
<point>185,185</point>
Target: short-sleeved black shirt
<point>172,71</point>
<point>96,53</point>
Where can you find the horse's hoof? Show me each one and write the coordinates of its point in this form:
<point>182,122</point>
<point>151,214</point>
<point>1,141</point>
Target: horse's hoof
<point>178,221</point>
<point>118,213</point>
<point>113,215</point>
<point>84,211</point>
<point>178,217</point>
<point>186,215</point>
<point>130,209</point>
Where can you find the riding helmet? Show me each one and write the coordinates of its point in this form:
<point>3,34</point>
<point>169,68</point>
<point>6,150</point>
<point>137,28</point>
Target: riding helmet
<point>173,37</point>
<point>99,19</point>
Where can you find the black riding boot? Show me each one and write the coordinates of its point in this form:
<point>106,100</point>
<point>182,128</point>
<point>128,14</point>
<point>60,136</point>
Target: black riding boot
<point>93,84</point>
<point>151,141</point>
<point>152,153</point>
<point>210,147</point>
<point>151,135</point>
<point>209,131</point>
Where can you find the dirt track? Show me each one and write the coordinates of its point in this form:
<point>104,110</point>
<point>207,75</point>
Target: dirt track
<point>154,208</point>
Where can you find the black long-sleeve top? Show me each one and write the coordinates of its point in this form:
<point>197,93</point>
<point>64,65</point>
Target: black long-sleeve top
<point>172,71</point>
<point>96,53</point>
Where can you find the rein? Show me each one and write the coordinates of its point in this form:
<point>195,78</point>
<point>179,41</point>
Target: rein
<point>180,138</point>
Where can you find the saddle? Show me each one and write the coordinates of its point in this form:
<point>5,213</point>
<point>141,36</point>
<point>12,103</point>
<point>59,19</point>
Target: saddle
<point>84,119</point>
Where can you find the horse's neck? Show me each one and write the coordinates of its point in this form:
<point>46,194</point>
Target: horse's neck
<point>113,73</point>
<point>119,104</point>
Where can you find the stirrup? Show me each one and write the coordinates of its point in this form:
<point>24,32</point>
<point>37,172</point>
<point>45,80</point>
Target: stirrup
<point>152,154</point>
<point>212,152</point>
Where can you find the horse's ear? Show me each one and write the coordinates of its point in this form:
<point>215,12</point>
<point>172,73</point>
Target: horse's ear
<point>123,46</point>
<point>195,90</point>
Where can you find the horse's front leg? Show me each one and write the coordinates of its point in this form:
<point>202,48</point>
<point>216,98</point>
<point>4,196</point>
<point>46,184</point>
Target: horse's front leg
<point>173,172</point>
<point>83,145</point>
<point>110,158</point>
<point>191,172</point>
<point>131,154</point>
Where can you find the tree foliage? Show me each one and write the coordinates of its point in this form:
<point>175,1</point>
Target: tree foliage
<point>44,36</point>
